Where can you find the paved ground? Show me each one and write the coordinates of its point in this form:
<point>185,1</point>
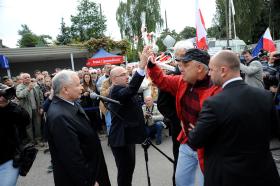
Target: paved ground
<point>160,168</point>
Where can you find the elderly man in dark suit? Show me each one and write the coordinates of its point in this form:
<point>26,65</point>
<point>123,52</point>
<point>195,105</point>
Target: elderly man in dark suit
<point>128,125</point>
<point>235,127</point>
<point>75,148</point>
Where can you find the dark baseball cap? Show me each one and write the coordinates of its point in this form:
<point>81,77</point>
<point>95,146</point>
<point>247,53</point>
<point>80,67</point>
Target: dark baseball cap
<point>195,54</point>
<point>5,78</point>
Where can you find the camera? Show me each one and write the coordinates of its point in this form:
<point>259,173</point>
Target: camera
<point>148,115</point>
<point>7,92</point>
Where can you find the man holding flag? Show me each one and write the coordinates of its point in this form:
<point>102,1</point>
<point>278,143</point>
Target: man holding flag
<point>252,69</point>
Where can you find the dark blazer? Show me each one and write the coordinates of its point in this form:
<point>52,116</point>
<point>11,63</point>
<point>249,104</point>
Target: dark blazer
<point>128,125</point>
<point>75,148</point>
<point>235,127</point>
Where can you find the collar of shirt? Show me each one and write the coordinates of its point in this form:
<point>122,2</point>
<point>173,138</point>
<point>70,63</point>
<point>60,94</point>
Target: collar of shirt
<point>70,102</point>
<point>231,80</point>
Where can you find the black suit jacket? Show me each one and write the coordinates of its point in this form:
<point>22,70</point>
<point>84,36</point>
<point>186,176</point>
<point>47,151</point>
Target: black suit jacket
<point>75,148</point>
<point>128,125</point>
<point>235,128</point>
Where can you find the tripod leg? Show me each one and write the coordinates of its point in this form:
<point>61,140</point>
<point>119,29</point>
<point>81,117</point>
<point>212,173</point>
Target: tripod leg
<point>147,168</point>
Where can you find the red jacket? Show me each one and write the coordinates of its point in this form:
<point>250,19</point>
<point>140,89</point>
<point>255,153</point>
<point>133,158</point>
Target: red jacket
<point>175,85</point>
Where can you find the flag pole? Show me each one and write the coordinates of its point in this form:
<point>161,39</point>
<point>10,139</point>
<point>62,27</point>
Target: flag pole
<point>234,29</point>
<point>9,73</point>
<point>72,62</point>
<point>233,18</point>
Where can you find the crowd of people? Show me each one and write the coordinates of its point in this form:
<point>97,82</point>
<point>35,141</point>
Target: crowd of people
<point>222,112</point>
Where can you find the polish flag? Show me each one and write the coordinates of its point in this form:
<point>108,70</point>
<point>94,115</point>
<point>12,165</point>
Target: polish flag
<point>265,43</point>
<point>200,29</point>
<point>268,43</point>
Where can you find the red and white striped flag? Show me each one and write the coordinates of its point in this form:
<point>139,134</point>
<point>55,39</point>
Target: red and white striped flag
<point>200,29</point>
<point>268,43</point>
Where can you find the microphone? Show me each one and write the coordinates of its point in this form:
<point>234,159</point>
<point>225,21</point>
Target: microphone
<point>93,95</point>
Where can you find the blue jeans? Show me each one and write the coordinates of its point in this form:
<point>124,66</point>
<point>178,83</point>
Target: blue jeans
<point>156,128</point>
<point>8,174</point>
<point>188,170</point>
<point>108,121</point>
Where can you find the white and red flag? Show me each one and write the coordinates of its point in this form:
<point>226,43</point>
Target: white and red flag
<point>268,43</point>
<point>200,29</point>
<point>265,43</point>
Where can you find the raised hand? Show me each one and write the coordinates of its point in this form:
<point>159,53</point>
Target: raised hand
<point>145,56</point>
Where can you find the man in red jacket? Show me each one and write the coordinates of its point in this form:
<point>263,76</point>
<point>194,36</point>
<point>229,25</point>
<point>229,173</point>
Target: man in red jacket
<point>190,88</point>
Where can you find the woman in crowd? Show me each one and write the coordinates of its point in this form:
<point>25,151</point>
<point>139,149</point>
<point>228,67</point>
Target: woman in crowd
<point>90,105</point>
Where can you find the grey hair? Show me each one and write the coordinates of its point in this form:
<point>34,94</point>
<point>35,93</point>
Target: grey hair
<point>60,79</point>
<point>24,74</point>
<point>206,68</point>
<point>186,44</point>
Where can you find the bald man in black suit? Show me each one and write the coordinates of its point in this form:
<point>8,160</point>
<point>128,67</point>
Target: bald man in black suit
<point>235,127</point>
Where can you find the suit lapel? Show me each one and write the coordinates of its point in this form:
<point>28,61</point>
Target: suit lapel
<point>81,110</point>
<point>76,108</point>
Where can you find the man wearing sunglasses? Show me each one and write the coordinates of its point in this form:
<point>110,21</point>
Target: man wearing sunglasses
<point>190,88</point>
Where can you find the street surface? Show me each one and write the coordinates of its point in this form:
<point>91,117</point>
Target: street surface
<point>160,168</point>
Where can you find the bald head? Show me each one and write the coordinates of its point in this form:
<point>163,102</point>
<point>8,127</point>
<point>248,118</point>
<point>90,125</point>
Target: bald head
<point>116,71</point>
<point>149,101</point>
<point>227,58</point>
<point>119,76</point>
<point>224,66</point>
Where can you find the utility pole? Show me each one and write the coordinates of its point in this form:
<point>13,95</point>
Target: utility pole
<point>226,12</point>
<point>269,21</point>
<point>100,10</point>
<point>166,21</point>
<point>229,21</point>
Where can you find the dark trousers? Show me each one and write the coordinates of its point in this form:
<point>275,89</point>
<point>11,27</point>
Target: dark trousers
<point>125,161</point>
<point>156,128</point>
<point>175,130</point>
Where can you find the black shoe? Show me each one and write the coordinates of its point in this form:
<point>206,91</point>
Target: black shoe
<point>158,143</point>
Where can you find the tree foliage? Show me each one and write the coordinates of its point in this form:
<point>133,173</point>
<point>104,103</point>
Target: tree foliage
<point>275,18</point>
<point>129,17</point>
<point>252,17</point>
<point>29,39</point>
<point>214,31</point>
<point>88,23</point>
<point>188,32</point>
<point>65,37</point>
<point>24,30</point>
<point>108,44</point>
